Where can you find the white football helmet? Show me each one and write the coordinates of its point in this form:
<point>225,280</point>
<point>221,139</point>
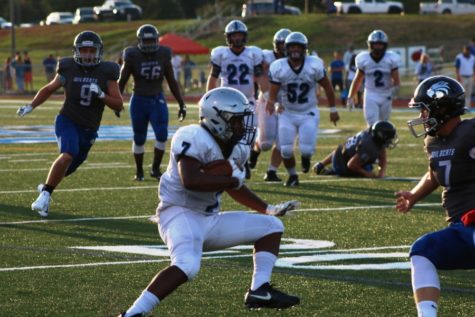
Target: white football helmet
<point>296,38</point>
<point>377,36</point>
<point>279,41</point>
<point>220,110</point>
<point>235,26</point>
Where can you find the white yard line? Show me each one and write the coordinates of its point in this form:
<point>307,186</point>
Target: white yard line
<point>345,208</point>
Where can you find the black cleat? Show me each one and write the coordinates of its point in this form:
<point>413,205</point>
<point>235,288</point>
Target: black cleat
<point>271,176</point>
<point>269,297</point>
<point>318,168</point>
<point>155,173</point>
<point>139,176</point>
<point>293,180</point>
<point>305,164</point>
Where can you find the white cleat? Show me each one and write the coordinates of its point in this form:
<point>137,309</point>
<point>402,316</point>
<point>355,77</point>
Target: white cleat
<point>41,204</point>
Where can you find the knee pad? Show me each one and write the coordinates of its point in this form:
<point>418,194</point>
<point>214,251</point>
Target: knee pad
<point>265,146</point>
<point>276,225</point>
<point>286,151</point>
<point>162,134</point>
<point>140,138</point>
<point>190,267</point>
<point>160,145</point>
<point>307,150</point>
<point>138,149</point>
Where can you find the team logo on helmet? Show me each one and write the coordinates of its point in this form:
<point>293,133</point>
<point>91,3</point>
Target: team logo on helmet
<point>438,90</point>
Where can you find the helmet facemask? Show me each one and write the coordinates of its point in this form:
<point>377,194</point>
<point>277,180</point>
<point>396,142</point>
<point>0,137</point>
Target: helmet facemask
<point>87,53</point>
<point>431,120</point>
<point>234,42</point>
<point>296,54</point>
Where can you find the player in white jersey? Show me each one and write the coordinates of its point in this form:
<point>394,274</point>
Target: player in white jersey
<point>238,66</point>
<point>379,70</point>
<point>267,134</point>
<point>189,221</point>
<point>297,77</point>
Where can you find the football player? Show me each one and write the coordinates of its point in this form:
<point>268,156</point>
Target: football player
<point>267,134</point>
<point>357,156</point>
<point>149,63</point>
<point>238,65</point>
<point>189,218</point>
<point>296,77</point>
<point>89,85</point>
<point>450,147</point>
<point>378,67</point>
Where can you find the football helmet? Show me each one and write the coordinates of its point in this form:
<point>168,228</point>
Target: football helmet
<point>147,38</point>
<point>439,98</point>
<point>279,41</point>
<point>88,39</point>
<point>377,36</point>
<point>221,108</point>
<point>235,26</point>
<point>299,39</point>
<point>384,133</point>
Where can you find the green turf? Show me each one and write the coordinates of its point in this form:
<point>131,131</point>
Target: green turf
<point>103,188</point>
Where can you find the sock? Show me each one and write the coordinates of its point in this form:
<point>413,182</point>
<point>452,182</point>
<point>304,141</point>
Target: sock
<point>144,304</point>
<point>427,309</point>
<point>292,171</point>
<point>272,168</point>
<point>48,188</point>
<point>263,265</point>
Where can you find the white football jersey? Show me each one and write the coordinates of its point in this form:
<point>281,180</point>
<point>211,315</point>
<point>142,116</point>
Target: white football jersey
<point>378,74</point>
<point>194,141</point>
<point>298,87</point>
<point>237,70</point>
<point>269,56</point>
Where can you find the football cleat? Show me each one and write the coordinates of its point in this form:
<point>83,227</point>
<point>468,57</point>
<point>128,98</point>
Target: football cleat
<point>155,173</point>
<point>139,176</point>
<point>271,176</point>
<point>41,204</point>
<point>293,180</point>
<point>318,168</point>
<point>268,297</point>
<point>305,164</point>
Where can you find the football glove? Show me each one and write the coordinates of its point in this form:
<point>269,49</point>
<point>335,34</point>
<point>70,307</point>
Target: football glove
<point>350,104</point>
<point>238,172</point>
<point>282,208</point>
<point>24,110</point>
<point>182,112</point>
<point>94,88</point>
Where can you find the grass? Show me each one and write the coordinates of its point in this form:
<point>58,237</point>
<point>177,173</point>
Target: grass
<point>357,215</point>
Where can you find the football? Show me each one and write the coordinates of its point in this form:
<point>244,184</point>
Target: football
<point>218,167</point>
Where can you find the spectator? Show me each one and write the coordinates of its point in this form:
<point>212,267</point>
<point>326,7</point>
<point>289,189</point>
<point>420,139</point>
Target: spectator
<point>188,66</point>
<point>7,75</point>
<point>28,68</point>
<point>18,66</point>
<point>472,47</point>
<point>337,69</point>
<point>464,66</point>
<point>424,67</point>
<point>348,55</point>
<point>177,63</point>
<point>203,78</point>
<point>350,75</point>
<point>49,64</point>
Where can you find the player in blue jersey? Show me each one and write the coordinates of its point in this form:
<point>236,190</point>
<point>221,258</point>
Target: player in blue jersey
<point>450,147</point>
<point>89,84</point>
<point>149,64</point>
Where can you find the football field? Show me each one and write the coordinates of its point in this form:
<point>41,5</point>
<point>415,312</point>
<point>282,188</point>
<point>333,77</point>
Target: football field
<point>344,251</point>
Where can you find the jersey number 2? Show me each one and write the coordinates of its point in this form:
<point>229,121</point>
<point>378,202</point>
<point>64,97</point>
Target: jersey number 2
<point>237,75</point>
